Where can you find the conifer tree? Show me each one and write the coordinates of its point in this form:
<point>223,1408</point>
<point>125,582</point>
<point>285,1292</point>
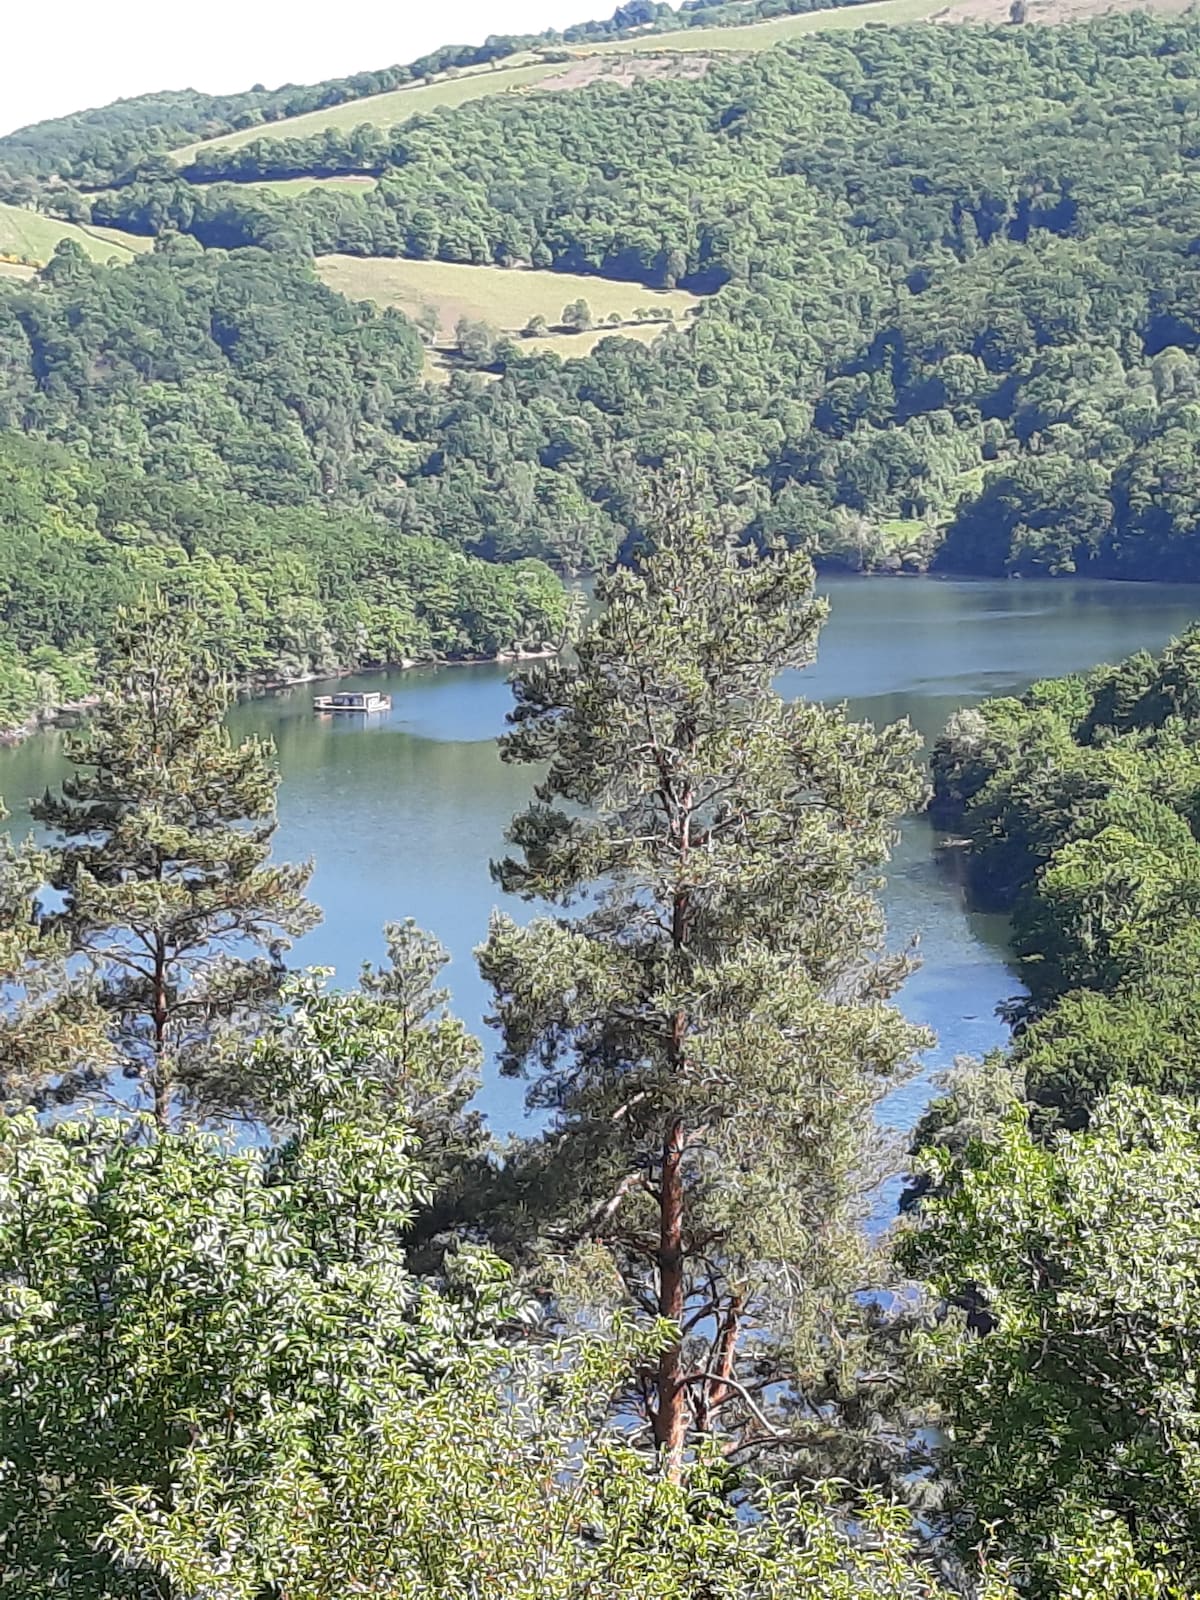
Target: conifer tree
<point>710,1034</point>
<point>161,856</point>
<point>50,1022</point>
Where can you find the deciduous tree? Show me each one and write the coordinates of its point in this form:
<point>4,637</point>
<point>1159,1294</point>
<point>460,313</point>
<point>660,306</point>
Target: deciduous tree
<point>1071,1424</point>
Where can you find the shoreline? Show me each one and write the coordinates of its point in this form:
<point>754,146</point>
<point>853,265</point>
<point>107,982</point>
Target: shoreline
<point>259,688</point>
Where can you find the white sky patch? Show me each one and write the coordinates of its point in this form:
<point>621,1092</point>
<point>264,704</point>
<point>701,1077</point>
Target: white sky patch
<point>72,54</point>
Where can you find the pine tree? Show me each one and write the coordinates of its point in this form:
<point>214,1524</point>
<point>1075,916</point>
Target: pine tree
<point>710,1034</point>
<point>50,1025</point>
<point>161,855</point>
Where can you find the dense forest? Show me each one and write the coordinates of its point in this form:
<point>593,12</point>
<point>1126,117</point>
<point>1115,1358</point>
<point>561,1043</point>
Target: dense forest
<point>1079,804</point>
<point>978,352</point>
<point>225,430</point>
<point>1070,1198</point>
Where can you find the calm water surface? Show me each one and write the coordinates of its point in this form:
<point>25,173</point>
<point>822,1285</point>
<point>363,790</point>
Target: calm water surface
<point>403,814</point>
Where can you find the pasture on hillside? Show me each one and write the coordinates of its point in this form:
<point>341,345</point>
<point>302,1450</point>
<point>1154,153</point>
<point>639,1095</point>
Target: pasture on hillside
<point>383,110</point>
<point>506,298</point>
<point>30,237</point>
<point>762,35</point>
<point>351,184</point>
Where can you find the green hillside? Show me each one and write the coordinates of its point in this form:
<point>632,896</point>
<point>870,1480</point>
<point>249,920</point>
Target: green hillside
<point>400,105</point>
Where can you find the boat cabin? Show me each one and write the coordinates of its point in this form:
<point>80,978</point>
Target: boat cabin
<point>353,702</point>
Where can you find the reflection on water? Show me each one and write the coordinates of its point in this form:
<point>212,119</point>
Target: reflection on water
<point>403,812</point>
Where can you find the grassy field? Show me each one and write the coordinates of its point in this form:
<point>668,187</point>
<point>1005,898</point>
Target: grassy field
<point>504,298</point>
<point>286,186</point>
<point>303,185</point>
<point>762,35</point>
<point>383,110</point>
<point>32,238</point>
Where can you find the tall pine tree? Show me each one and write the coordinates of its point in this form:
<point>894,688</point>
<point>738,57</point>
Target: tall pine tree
<point>161,849</point>
<point>50,1024</point>
<point>711,1034</point>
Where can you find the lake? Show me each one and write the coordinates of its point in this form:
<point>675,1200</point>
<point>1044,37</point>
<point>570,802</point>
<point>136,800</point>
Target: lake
<point>402,813</point>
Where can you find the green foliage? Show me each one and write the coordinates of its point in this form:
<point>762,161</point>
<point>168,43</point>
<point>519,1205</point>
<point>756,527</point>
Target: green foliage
<point>397,1037</point>
<point>512,1510</point>
<point>172,1305</point>
<point>278,592</point>
<point>1100,900</point>
<point>1090,1042</point>
<point>50,1017</point>
<point>160,854</point>
<point>1071,1427</point>
<point>476,342</point>
<point>710,1033</point>
<point>220,1379</point>
<point>577,316</point>
<point>1079,805</point>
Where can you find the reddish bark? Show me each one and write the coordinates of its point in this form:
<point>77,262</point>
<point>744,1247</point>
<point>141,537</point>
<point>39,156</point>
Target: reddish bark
<point>671,1410</point>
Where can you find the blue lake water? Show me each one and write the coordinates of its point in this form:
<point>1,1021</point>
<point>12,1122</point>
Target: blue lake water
<point>403,813</point>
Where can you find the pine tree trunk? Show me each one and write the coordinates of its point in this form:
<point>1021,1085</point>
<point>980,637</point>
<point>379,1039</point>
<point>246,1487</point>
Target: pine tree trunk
<point>161,1015</point>
<point>670,1414</point>
<point>717,1389</point>
<point>671,1407</point>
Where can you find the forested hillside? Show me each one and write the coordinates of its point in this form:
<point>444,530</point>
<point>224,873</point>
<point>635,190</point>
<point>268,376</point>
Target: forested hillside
<point>101,144</point>
<point>1062,1210</point>
<point>218,411</point>
<point>952,295</point>
<point>948,315</point>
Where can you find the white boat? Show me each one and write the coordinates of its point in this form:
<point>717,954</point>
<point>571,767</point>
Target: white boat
<point>364,704</point>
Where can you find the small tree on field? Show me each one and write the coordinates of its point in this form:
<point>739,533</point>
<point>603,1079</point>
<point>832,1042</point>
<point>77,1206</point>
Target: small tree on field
<point>711,1036</point>
<point>577,316</point>
<point>476,342</point>
<point>162,859</point>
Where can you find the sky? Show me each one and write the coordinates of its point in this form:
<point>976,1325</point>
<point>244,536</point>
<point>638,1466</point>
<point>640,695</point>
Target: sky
<point>74,54</point>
